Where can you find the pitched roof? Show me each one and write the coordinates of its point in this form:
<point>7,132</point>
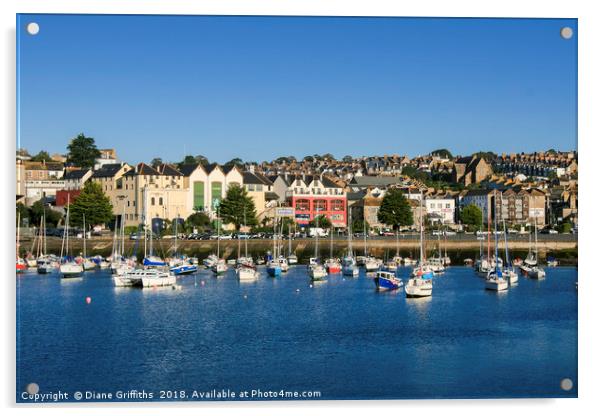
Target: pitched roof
<point>255,178</point>
<point>142,169</point>
<point>75,174</point>
<point>188,169</point>
<point>108,170</point>
<point>168,170</point>
<point>376,180</point>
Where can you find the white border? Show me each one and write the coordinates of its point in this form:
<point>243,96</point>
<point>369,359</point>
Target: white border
<point>590,71</point>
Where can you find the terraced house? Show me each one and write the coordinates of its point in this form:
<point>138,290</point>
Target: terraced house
<point>311,196</point>
<point>207,185</point>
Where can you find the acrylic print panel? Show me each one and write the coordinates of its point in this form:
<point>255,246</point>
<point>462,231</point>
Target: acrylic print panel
<point>295,208</point>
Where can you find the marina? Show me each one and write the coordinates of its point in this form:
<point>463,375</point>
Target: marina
<point>298,334</point>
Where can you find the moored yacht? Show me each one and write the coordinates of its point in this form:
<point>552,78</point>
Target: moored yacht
<point>387,281</point>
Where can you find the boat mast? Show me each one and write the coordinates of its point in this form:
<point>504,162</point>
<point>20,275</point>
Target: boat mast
<point>18,231</point>
<point>244,214</point>
<point>84,229</point>
<point>421,231</point>
<point>365,240</point>
<point>350,236</point>
<point>495,231</point>
<point>505,237</point>
<point>218,225</point>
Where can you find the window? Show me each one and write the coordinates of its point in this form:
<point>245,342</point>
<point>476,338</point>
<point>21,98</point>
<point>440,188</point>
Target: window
<point>216,192</point>
<point>259,188</point>
<point>320,205</point>
<point>198,196</point>
<point>337,205</point>
<point>302,205</point>
<point>160,200</point>
<point>153,200</point>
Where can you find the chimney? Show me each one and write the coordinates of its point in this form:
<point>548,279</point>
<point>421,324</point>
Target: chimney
<point>252,168</point>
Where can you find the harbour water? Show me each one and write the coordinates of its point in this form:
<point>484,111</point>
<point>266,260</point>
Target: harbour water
<point>340,337</point>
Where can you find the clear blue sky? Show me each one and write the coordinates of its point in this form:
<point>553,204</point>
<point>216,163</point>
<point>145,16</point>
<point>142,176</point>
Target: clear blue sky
<point>262,87</point>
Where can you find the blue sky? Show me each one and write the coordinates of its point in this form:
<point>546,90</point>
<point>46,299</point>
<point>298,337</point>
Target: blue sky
<point>262,87</point>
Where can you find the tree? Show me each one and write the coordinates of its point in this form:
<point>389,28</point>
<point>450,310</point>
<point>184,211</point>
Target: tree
<point>201,160</point>
<point>471,215</point>
<point>442,153</point>
<point>359,226</point>
<point>82,151</point>
<point>93,203</point>
<point>38,209</point>
<point>24,211</point>
<point>198,220</point>
<point>395,210</point>
<point>156,162</point>
<point>188,160</point>
<point>321,221</point>
<point>235,162</point>
<point>42,156</point>
<point>347,159</point>
<point>237,207</point>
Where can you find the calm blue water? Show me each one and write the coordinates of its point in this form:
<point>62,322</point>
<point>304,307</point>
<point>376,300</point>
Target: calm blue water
<point>339,337</point>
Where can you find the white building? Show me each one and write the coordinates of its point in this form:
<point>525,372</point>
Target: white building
<point>440,209</point>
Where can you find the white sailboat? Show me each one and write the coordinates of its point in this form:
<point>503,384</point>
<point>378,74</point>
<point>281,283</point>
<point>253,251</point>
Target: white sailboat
<point>45,263</point>
<point>219,267</point>
<point>349,264</point>
<point>86,263</point>
<point>68,268</point>
<point>316,270</point>
<point>421,283</point>
<point>495,280</point>
<point>508,272</point>
<point>536,271</point>
<point>292,257</point>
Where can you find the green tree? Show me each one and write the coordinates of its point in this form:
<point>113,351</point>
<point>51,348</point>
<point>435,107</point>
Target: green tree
<point>23,211</point>
<point>347,159</point>
<point>198,220</point>
<point>443,153</point>
<point>471,215</point>
<point>42,156</point>
<point>395,210</point>
<point>82,151</point>
<point>93,203</point>
<point>237,207</point>
<point>359,226</point>
<point>37,211</point>
<point>235,162</point>
<point>321,221</point>
<point>156,162</point>
<point>201,159</point>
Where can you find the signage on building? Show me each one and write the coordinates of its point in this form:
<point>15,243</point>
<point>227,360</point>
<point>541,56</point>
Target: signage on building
<point>285,212</point>
<point>303,217</point>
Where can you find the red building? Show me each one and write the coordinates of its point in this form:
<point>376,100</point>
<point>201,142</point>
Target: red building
<point>61,196</point>
<point>311,196</point>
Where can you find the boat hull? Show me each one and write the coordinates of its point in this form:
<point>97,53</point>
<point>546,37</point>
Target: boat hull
<point>384,284</point>
<point>496,285</point>
<point>418,288</point>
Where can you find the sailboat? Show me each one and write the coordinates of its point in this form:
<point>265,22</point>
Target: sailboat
<point>273,265</point>
<point>21,265</point>
<point>68,268</point>
<point>436,263</point>
<point>292,257</point>
<point>421,282</point>
<point>219,266</point>
<point>508,272</point>
<point>45,263</point>
<point>495,280</point>
<point>332,265</point>
<point>119,263</point>
<point>282,261</point>
<point>180,265</point>
<point>349,265</point>
<point>86,263</point>
<point>316,270</point>
<point>536,271</point>
<point>154,272</point>
<point>246,269</point>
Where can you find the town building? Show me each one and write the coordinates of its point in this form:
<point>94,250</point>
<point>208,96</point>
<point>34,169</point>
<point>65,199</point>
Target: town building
<point>259,188</point>
<point>207,185</point>
<point>76,178</point>
<point>312,195</point>
<point>440,209</point>
<point>471,170</point>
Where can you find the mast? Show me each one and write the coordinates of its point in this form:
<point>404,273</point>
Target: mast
<point>365,240</point>
<point>45,237</point>
<point>421,231</point>
<point>218,225</point>
<point>84,227</point>
<point>67,227</point>
<point>535,232</point>
<point>175,236</point>
<point>331,242</point>
<point>397,242</point>
<point>350,236</point>
<point>244,215</point>
<point>489,237</point>
<point>495,230</point>
<point>18,231</point>
<point>505,238</point>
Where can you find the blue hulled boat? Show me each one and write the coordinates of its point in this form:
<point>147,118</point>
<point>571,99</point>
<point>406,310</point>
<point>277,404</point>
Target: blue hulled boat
<point>387,281</point>
<point>183,269</point>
